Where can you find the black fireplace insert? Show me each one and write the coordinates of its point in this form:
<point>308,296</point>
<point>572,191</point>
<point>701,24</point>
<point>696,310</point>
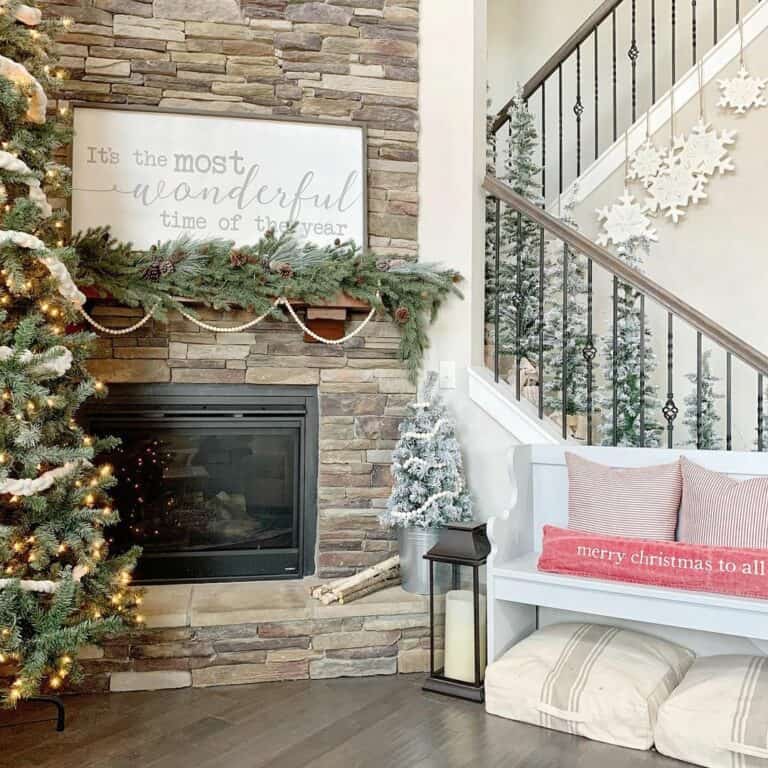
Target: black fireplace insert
<point>215,482</point>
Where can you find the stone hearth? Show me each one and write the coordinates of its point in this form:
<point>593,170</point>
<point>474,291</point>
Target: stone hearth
<point>226,634</point>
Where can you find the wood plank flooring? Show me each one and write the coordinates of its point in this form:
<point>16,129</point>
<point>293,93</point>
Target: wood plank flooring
<point>358,723</point>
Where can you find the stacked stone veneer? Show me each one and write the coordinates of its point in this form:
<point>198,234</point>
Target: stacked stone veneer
<point>340,60</point>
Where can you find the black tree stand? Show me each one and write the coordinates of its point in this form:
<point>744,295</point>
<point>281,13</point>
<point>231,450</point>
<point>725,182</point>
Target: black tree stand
<point>56,701</point>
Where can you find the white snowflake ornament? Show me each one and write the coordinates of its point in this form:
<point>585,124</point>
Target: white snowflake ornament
<point>742,92</point>
<point>646,162</point>
<point>624,221</point>
<point>674,189</point>
<point>704,151</point>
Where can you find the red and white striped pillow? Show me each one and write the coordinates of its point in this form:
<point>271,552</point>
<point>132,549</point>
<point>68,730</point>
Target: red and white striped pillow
<point>637,503</point>
<point>719,511</point>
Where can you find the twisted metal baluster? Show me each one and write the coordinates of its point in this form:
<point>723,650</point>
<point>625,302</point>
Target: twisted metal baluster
<point>633,54</point>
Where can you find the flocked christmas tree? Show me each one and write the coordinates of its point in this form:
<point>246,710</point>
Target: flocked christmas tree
<point>520,239</point>
<point>575,331</point>
<point>428,476</point>
<point>59,589</point>
<point>630,393</point>
<point>710,438</point>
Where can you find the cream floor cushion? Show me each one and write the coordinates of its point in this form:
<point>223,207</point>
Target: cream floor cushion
<point>718,717</point>
<point>601,682</point>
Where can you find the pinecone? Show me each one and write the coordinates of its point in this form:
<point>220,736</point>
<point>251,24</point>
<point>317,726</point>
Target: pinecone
<point>152,272</point>
<point>402,315</point>
<point>238,258</point>
<point>285,270</point>
<point>166,267</point>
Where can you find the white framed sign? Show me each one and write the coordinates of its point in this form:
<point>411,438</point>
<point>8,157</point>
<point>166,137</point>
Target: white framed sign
<point>153,175</point>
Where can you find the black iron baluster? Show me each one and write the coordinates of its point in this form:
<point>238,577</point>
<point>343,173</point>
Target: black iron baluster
<point>564,376</point>
<point>543,144</point>
<point>578,110</point>
<point>760,445</point>
<point>738,11</point>
<point>519,303</point>
<point>560,125</point>
<point>597,97</point>
<point>615,366</point>
<point>642,370</point>
<point>670,410</point>
<point>699,403</point>
<point>653,52</point>
<point>497,288</point>
<point>674,42</point>
<point>693,30</point>
<point>728,402</point>
<point>613,77</point>
<point>589,351</point>
<point>714,22</point>
<point>542,249</point>
<point>633,53</point>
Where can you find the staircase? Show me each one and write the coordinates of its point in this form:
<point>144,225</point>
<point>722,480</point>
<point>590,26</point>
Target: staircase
<point>609,373</point>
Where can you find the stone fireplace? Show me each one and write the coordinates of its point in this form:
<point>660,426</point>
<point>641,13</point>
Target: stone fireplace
<point>216,482</point>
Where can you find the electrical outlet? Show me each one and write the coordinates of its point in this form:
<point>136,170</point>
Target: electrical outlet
<point>447,374</point>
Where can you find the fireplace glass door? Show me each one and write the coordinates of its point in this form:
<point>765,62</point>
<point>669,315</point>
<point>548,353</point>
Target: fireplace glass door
<point>211,495</point>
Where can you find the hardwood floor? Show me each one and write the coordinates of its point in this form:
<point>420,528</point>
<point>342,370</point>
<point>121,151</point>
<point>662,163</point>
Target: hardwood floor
<point>359,723</point>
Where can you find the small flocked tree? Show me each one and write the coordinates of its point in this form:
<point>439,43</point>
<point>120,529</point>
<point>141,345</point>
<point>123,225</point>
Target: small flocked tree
<point>710,439</point>
<point>629,395</point>
<point>520,237</point>
<point>59,589</point>
<point>575,330</point>
<point>428,476</point>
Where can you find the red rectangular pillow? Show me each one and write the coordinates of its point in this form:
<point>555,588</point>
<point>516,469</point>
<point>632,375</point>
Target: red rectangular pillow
<point>725,570</point>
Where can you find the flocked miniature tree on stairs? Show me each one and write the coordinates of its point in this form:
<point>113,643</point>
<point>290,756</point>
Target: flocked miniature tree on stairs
<point>631,395</point>
<point>520,239</point>
<point>428,476</point>
<point>575,330</point>
<point>710,439</point>
<point>59,589</point>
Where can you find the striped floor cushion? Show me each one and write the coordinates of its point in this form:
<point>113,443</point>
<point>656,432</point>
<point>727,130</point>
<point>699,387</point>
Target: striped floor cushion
<point>601,682</point>
<point>718,717</point>
<point>722,512</point>
<point>637,503</point>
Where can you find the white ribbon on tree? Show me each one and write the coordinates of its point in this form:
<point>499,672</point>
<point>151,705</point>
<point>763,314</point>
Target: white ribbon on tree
<point>57,365</point>
<point>44,586</point>
<point>13,164</point>
<point>18,73</point>
<point>28,486</point>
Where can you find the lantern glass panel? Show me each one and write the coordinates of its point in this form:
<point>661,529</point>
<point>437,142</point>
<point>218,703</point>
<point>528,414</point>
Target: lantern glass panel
<point>465,609</point>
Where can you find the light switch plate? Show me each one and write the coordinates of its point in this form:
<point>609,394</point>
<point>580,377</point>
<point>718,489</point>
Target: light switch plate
<point>447,374</point>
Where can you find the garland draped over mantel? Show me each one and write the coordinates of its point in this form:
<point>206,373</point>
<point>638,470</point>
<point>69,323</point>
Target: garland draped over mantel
<point>274,273</point>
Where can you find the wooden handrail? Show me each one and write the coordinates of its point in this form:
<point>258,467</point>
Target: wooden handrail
<point>561,54</point>
<point>599,255</point>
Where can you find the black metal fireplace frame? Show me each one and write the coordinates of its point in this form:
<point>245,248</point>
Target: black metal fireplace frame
<point>220,405</point>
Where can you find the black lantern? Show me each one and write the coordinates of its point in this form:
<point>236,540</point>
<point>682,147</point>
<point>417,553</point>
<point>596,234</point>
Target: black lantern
<point>462,548</point>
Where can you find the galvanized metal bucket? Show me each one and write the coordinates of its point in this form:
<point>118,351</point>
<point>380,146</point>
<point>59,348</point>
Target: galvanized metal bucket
<point>414,569</point>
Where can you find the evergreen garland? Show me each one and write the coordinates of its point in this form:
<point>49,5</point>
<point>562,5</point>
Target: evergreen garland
<point>220,275</point>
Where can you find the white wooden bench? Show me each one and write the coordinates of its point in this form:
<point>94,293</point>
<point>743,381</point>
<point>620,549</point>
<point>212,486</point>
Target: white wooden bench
<point>540,497</point>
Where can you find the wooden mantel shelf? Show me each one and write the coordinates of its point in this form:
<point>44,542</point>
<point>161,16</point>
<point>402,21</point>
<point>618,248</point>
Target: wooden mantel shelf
<point>327,319</point>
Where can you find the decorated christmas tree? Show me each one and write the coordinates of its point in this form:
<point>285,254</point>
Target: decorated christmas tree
<point>710,439</point>
<point>575,328</point>
<point>428,488</point>
<point>630,394</point>
<point>59,588</point>
<point>520,239</point>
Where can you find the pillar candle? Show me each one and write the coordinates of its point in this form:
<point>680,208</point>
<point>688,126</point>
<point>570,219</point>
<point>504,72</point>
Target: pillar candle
<point>460,635</point>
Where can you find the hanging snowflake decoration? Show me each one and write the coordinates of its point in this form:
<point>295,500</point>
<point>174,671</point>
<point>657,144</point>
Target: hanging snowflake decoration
<point>704,151</point>
<point>742,92</point>
<point>624,221</point>
<point>674,189</point>
<point>646,163</point>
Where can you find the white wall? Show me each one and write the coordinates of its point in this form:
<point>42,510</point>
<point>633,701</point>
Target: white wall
<point>451,221</point>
